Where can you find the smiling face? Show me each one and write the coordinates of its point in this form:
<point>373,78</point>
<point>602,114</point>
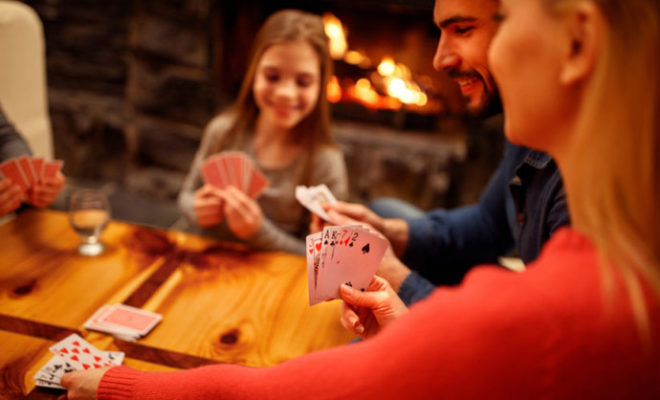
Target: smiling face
<point>287,84</point>
<point>466,29</point>
<point>527,58</point>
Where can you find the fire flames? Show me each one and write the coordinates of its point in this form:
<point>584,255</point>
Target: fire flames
<point>390,86</point>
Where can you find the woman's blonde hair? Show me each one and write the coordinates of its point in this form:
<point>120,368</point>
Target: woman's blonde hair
<point>283,27</point>
<point>616,202</point>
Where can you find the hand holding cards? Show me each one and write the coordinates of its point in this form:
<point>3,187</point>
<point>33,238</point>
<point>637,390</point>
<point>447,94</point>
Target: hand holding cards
<point>73,354</point>
<point>341,254</point>
<point>124,322</point>
<point>313,198</point>
<point>27,172</point>
<point>236,169</point>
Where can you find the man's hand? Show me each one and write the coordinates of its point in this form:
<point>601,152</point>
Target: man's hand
<point>366,313</point>
<point>394,229</point>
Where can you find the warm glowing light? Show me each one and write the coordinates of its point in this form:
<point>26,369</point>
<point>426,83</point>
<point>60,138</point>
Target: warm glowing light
<point>386,66</point>
<point>334,90</point>
<point>337,35</point>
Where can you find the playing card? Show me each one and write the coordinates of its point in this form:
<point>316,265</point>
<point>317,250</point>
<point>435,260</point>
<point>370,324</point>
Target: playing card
<point>79,353</point>
<point>51,168</point>
<point>25,164</point>
<point>313,242</point>
<point>51,373</point>
<point>258,183</point>
<point>349,255</point>
<point>37,167</point>
<point>313,198</point>
<point>211,173</point>
<point>11,170</point>
<point>131,318</point>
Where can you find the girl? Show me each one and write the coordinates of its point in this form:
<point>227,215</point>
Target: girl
<point>281,119</point>
<point>584,321</point>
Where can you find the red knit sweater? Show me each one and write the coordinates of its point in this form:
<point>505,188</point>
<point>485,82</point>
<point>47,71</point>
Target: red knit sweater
<point>550,332</point>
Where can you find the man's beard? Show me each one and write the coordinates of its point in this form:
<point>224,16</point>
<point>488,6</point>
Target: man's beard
<point>491,103</point>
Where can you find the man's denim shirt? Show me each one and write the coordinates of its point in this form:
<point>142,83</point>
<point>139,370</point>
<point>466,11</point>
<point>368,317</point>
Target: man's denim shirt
<point>523,204</point>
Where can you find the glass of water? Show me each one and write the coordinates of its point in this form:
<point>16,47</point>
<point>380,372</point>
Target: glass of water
<point>89,213</point>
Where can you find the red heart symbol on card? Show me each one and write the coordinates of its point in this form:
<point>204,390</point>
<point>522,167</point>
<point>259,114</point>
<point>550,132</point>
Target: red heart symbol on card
<point>86,351</point>
<point>76,343</point>
<point>318,246</point>
<point>64,350</point>
<point>97,366</point>
<point>75,351</point>
<point>86,366</point>
<point>75,358</point>
<point>311,251</point>
<point>97,358</point>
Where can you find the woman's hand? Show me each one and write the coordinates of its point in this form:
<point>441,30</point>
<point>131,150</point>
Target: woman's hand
<point>366,313</point>
<point>208,206</point>
<point>244,216</point>
<point>82,385</point>
<point>10,196</point>
<point>45,193</point>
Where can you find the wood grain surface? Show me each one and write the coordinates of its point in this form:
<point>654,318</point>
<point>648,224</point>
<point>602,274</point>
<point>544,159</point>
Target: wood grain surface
<point>220,302</point>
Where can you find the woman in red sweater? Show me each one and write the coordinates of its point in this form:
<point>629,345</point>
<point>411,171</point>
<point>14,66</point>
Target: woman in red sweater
<point>578,79</point>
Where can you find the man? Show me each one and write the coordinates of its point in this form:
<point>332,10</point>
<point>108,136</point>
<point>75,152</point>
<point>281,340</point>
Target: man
<point>523,204</point>
<point>42,194</point>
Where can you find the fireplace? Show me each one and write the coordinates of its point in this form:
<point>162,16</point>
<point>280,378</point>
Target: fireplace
<point>132,84</point>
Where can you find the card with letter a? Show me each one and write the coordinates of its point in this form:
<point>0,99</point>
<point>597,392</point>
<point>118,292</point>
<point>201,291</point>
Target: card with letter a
<point>341,254</point>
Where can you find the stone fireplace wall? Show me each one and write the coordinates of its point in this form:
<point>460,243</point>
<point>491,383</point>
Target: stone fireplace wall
<point>132,84</point>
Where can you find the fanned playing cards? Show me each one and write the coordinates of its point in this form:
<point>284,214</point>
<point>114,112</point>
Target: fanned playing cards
<point>73,354</point>
<point>341,254</point>
<point>27,172</point>
<point>233,168</point>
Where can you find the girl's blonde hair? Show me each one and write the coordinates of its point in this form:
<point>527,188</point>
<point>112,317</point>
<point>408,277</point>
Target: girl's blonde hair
<point>283,27</point>
<point>616,202</point>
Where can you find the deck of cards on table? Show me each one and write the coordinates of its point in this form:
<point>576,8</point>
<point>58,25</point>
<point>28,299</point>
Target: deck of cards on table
<point>341,254</point>
<point>122,321</point>
<point>313,198</point>
<point>233,168</point>
<point>27,172</point>
<point>73,354</point>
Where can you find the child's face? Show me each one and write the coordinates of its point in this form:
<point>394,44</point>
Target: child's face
<point>287,83</point>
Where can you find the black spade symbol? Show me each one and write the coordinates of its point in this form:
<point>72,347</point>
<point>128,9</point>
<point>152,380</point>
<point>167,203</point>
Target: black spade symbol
<point>365,249</point>
<point>350,245</point>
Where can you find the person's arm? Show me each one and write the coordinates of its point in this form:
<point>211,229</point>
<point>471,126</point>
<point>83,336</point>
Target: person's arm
<point>12,143</point>
<point>186,200</point>
<point>444,244</point>
<point>419,355</point>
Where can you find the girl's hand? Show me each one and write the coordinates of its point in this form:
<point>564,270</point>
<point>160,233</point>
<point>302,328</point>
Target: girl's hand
<point>10,196</point>
<point>244,216</point>
<point>208,206</point>
<point>82,385</point>
<point>366,313</point>
<point>45,193</point>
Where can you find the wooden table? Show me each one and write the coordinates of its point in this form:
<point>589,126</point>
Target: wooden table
<point>220,302</point>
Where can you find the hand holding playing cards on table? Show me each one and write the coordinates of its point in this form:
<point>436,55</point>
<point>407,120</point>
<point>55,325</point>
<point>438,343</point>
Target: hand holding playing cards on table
<point>44,192</point>
<point>10,196</point>
<point>82,385</point>
<point>208,206</point>
<point>243,214</point>
<point>366,313</point>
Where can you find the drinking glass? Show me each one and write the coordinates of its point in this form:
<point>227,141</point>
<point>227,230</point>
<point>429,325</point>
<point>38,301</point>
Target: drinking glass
<point>89,213</point>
